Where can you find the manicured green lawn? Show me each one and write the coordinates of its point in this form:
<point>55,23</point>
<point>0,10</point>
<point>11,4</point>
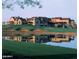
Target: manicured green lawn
<point>61,30</point>
<point>31,28</point>
<point>31,49</point>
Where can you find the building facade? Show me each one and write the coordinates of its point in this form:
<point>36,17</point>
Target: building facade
<point>44,21</point>
<point>38,21</point>
<point>17,21</point>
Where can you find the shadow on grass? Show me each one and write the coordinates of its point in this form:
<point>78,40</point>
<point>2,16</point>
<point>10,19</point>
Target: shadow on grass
<point>61,56</point>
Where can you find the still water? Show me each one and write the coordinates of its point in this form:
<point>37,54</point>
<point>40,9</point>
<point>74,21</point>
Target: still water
<point>64,40</point>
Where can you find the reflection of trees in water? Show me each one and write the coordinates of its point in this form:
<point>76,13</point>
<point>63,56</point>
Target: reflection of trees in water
<point>42,38</point>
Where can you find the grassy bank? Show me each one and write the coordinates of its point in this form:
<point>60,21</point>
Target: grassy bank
<point>36,51</point>
<point>32,28</point>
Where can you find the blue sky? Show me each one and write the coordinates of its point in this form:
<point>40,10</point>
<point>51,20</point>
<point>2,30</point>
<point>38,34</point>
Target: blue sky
<point>51,8</point>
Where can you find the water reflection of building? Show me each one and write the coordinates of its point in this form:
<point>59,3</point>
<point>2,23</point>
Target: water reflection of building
<point>31,39</point>
<point>42,38</point>
<point>61,38</point>
<point>6,37</point>
<point>15,38</point>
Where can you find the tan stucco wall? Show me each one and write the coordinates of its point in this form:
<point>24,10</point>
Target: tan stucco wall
<point>11,19</point>
<point>59,20</point>
<point>31,21</point>
<point>19,22</point>
<point>16,22</point>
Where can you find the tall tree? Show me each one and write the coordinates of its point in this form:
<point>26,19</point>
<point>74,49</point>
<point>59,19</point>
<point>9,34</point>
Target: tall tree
<point>21,3</point>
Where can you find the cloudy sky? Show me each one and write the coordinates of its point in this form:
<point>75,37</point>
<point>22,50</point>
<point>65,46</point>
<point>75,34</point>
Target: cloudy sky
<point>51,8</point>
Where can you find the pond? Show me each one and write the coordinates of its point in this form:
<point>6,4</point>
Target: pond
<point>55,39</point>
